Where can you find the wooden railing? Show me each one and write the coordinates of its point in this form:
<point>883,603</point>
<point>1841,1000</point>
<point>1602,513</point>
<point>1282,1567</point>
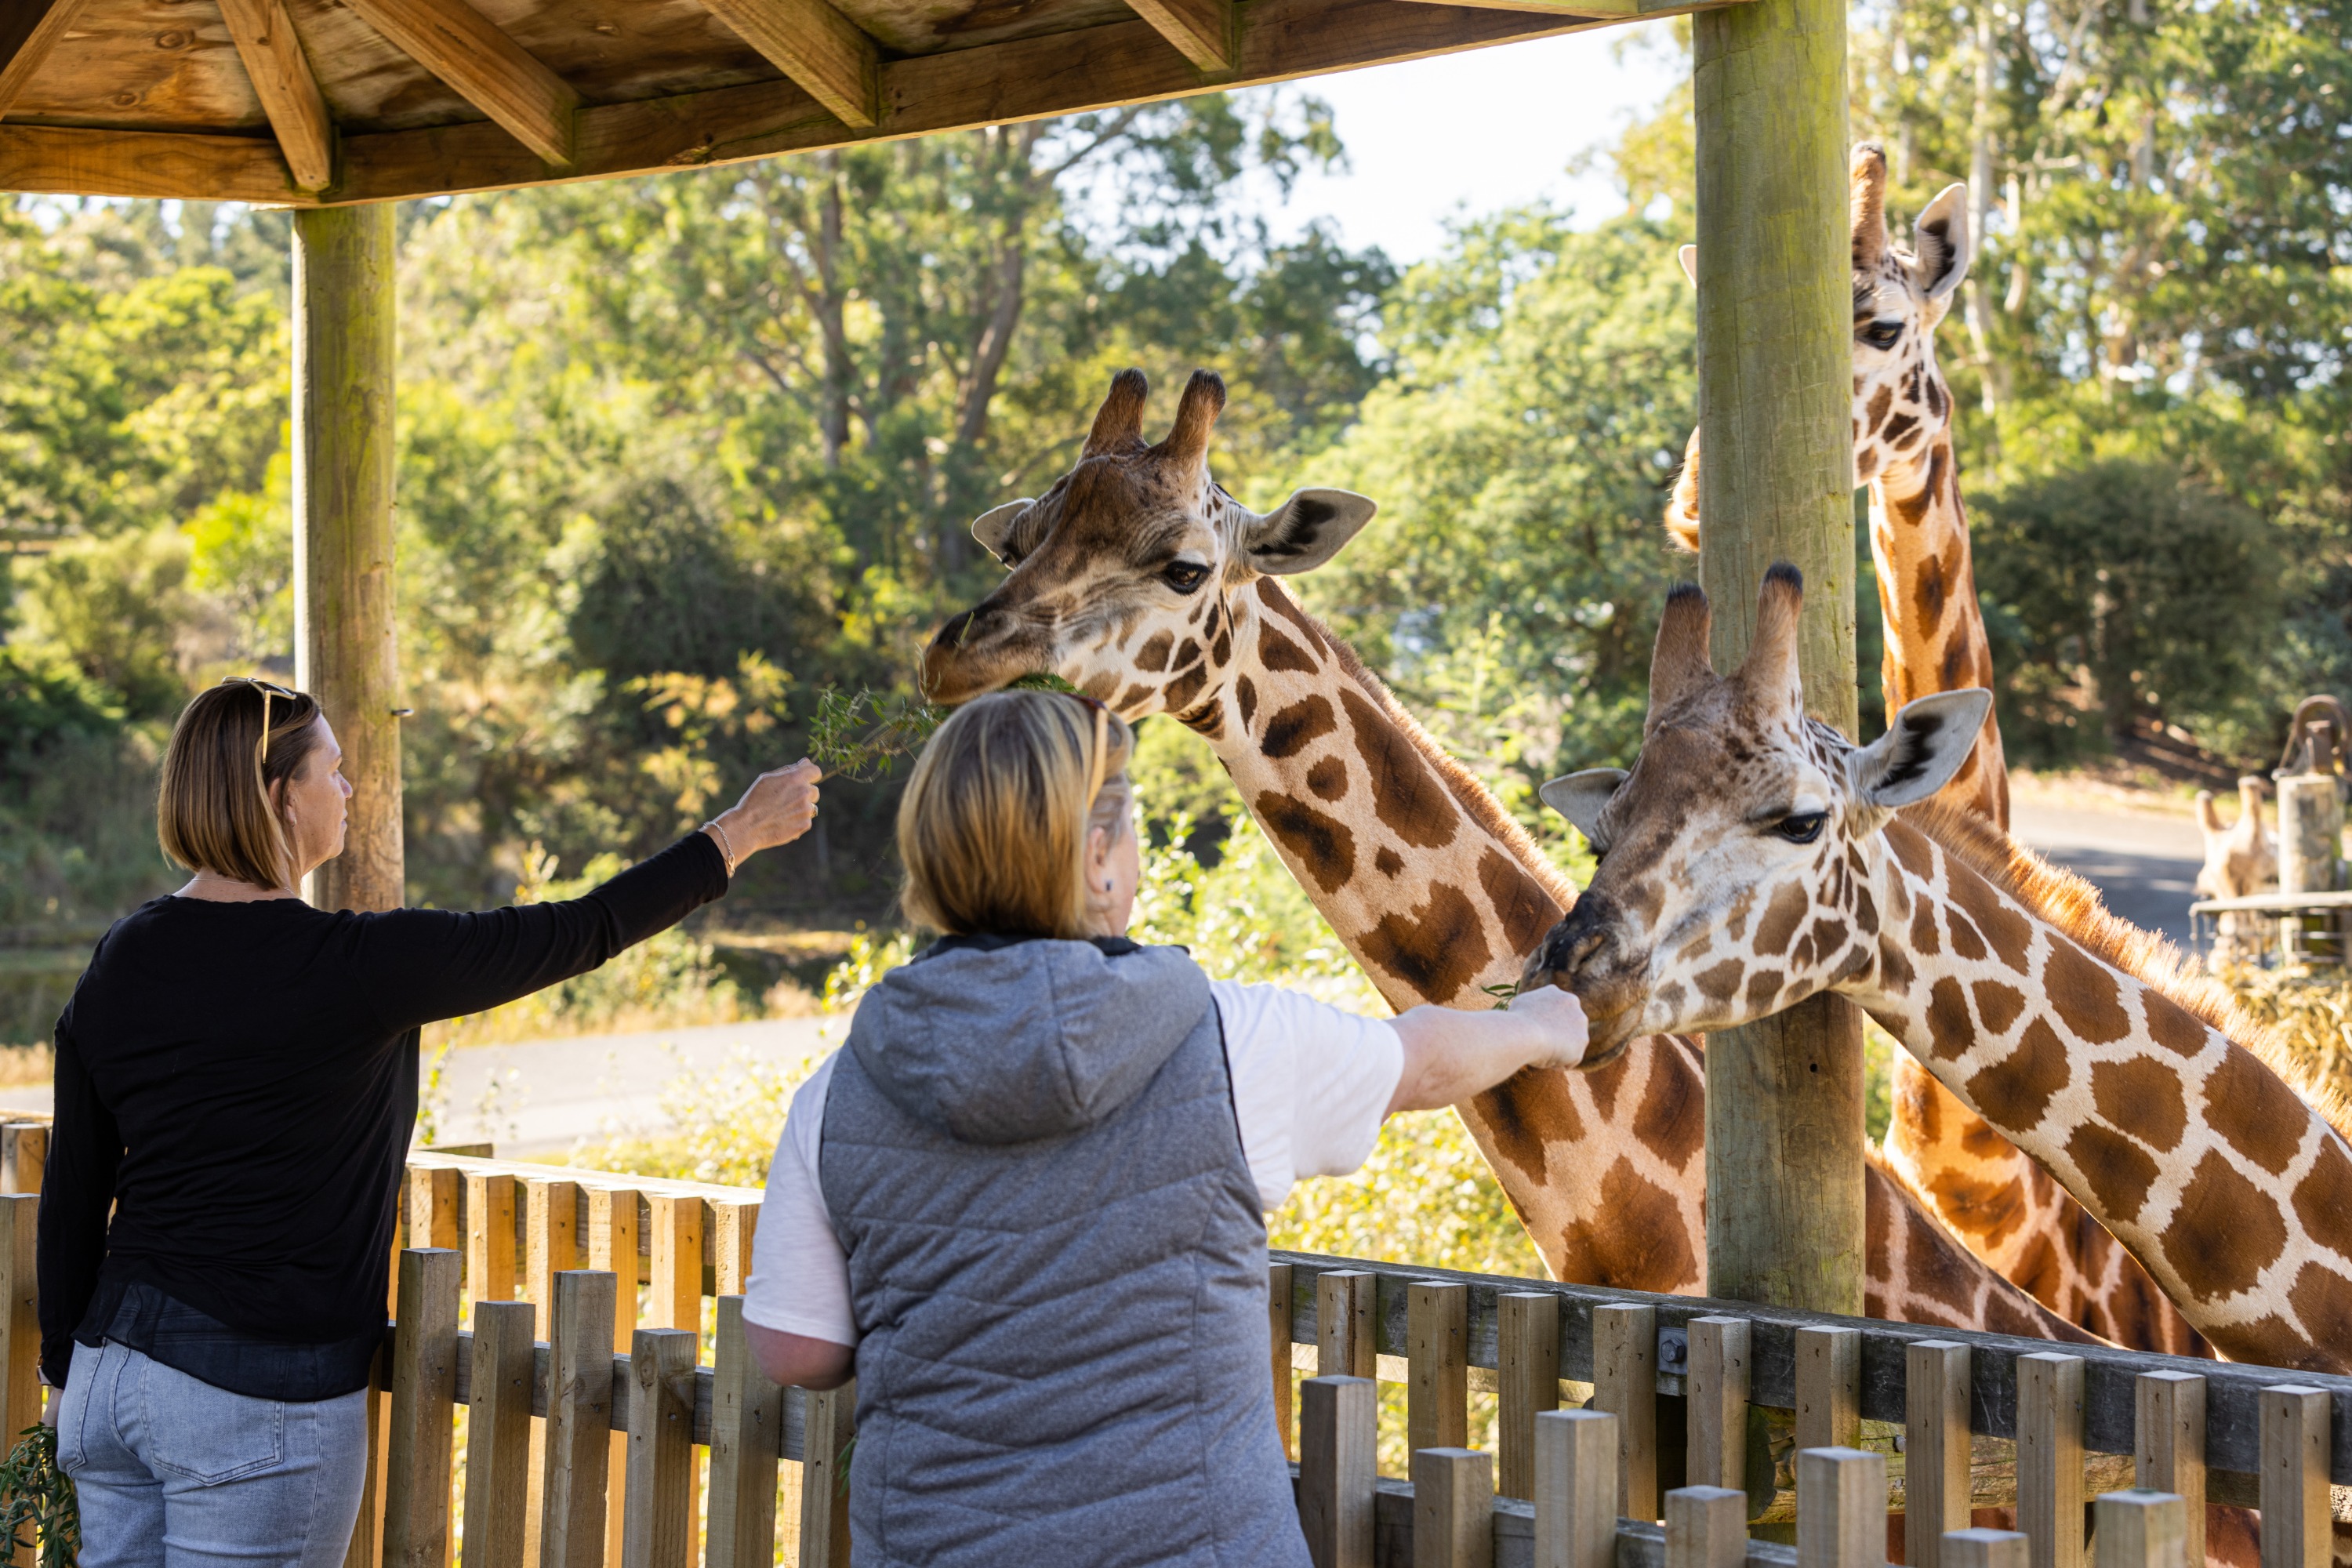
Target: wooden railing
<point>638,1434</point>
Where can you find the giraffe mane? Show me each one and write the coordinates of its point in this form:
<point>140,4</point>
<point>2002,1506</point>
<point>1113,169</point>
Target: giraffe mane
<point>1468,793</point>
<point>2074,907</point>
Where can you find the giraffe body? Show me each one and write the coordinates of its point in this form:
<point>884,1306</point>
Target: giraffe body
<point>1755,857</point>
<point>1139,581</point>
<point>2240,858</point>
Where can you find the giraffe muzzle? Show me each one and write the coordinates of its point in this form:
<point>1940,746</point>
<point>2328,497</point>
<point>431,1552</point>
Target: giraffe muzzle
<point>1584,954</point>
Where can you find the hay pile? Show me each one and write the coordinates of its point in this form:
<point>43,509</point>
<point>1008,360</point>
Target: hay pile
<point>2310,1012</point>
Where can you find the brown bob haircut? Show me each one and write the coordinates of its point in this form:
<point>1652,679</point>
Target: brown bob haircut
<point>992,828</point>
<point>213,812</point>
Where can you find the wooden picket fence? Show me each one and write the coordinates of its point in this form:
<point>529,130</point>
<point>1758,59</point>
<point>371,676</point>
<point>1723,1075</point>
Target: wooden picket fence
<point>1634,1431</point>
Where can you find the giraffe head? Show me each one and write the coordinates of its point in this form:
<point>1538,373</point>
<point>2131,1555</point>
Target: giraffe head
<point>1730,882</point>
<point>1900,296</point>
<point>1122,574</point>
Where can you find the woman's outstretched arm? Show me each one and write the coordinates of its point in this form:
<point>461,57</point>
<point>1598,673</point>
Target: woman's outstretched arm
<point>1450,1055</point>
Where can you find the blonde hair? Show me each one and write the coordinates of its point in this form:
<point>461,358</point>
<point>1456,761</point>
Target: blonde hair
<point>212,812</point>
<point>992,828</point>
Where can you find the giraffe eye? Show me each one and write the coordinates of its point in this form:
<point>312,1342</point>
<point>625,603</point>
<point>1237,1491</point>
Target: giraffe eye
<point>1185,577</point>
<point>1802,827</point>
<point>1882,334</point>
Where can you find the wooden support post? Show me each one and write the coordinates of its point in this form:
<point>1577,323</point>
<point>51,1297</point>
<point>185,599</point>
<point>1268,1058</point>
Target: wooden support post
<point>2050,1457</point>
<point>1718,1391</point>
<point>747,1419</point>
<point>2294,1461</point>
<point>367,1530</point>
<point>733,1225</point>
<point>613,1235</point>
<point>490,1236</point>
<point>674,1300</point>
<point>1784,1095</point>
<point>1453,1509</point>
<point>1526,1377</point>
<point>2168,1447</point>
<point>433,1207</point>
<point>831,1422</point>
<point>551,1247</point>
<point>24,1156</point>
<point>1278,1334</point>
<point>20,1317</point>
<point>1841,1508</point>
<point>1935,1449</point>
<point>579,1420</point>
<point>1828,1387</point>
<point>497,1435</point>
<point>1336,1479</point>
<point>1346,1301</point>
<point>1706,1527</point>
<point>344,650</point>
<point>659,1520</point>
<point>1625,1383</point>
<point>424,1394</point>
<point>2139,1529</point>
<point>1987,1549</point>
<point>1437,1361</point>
<point>1576,1489</point>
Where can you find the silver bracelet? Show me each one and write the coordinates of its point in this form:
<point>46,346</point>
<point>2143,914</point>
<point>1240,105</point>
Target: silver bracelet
<point>726,846</point>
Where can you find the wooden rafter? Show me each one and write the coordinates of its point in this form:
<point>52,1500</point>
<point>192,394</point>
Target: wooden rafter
<point>1622,8</point>
<point>1202,30</point>
<point>30,30</point>
<point>821,49</point>
<point>992,84</point>
<point>488,69</point>
<point>282,80</point>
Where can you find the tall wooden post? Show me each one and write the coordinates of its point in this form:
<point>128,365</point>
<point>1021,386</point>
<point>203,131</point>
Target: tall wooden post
<point>344,653</point>
<point>1784,1096</point>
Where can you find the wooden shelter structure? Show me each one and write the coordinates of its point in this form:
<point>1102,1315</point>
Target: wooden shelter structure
<point>338,107</point>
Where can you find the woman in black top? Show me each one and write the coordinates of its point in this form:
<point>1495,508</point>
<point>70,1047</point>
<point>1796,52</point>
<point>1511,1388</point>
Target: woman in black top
<point>236,1083</point>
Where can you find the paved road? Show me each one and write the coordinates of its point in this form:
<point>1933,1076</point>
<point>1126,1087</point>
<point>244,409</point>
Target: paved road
<point>2146,866</point>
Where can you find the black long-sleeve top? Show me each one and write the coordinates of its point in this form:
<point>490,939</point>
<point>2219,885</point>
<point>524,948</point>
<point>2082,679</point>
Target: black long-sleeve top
<point>238,1083</point>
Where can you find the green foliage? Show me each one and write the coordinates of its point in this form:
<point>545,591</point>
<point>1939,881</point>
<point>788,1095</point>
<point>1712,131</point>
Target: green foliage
<point>37,1506</point>
<point>859,736</point>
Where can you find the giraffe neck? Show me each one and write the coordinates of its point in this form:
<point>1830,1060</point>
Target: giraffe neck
<point>2223,1183</point>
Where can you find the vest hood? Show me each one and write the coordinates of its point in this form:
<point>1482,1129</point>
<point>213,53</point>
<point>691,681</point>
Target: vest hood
<point>994,1041</point>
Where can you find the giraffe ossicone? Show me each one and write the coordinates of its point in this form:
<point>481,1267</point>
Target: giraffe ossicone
<point>1755,857</point>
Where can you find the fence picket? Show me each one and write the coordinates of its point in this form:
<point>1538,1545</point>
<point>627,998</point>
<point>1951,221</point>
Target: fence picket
<point>1841,1508</point>
<point>2141,1528</point>
<point>2168,1447</point>
<point>1527,1378</point>
<point>675,1300</point>
<point>747,1414</point>
<point>550,1246</point>
<point>424,1389</point>
<point>24,1156</point>
<point>1453,1509</point>
<point>831,1422</point>
<point>20,1316</point>
<point>1987,1549</point>
<point>433,1206</point>
<point>2295,1516</point>
<point>1828,1387</point>
<point>489,1235</point>
<point>1935,1449</point>
<point>2050,1457</point>
<point>1625,1383</point>
<point>1576,1489</point>
<point>1717,1388</point>
<point>614,1245</point>
<point>658,1520</point>
<point>579,1419</point>
<point>1706,1527</point>
<point>1345,1301</point>
<point>1437,1359</point>
<point>1336,1477</point>
<point>732,1227</point>
<point>1277,1325</point>
<point>497,1435</point>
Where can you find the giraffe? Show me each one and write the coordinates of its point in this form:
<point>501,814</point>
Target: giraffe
<point>2239,860</point>
<point>1755,857</point>
<point>1138,580</point>
<point>2005,1208</point>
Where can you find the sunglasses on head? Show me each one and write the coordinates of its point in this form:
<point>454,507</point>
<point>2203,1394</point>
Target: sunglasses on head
<point>1102,736</point>
<point>268,689</point>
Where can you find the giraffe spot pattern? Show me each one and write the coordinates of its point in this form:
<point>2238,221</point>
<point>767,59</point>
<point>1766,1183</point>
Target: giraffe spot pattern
<point>1207,719</point>
<point>1187,686</point>
<point>2119,1171</point>
<point>1323,844</point>
<point>1437,948</point>
<point>1154,654</point>
<point>2014,1092</point>
<point>1933,1270</point>
<point>1964,940</point>
<point>1291,729</point>
<point>1998,1005</point>
<point>1133,698</point>
<point>2323,1300</point>
<point>2171,1025</point>
<point>1960,663</point>
<point>1271,595</point>
<point>1826,937</point>
<point>2255,1112</point>
<point>2085,994</point>
<point>2009,932</point>
<point>1186,654</point>
<point>1763,988</point>
<point>1246,693</point>
<point>2142,1098</point>
<point>1880,402</point>
<point>1718,981</point>
<point>1279,653</point>
<point>1912,510</point>
<point>1894,970</point>
<point>1524,1113</point>
<point>1222,650</point>
<point>1387,861</point>
<point>1781,918</point>
<point>1406,796</point>
<point>1099,687</point>
<point>2225,1231</point>
<point>1329,779</point>
<point>1912,851</point>
<point>1950,1031</point>
<point>1672,1121</point>
<point>1636,1242</point>
<point>2323,1199</point>
<point>1866,911</point>
<point>1519,902</point>
<point>1925,939</point>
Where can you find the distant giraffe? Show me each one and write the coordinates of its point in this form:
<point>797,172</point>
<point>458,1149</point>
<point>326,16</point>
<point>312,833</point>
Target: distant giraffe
<point>1138,579</point>
<point>2008,1209</point>
<point>2241,859</point>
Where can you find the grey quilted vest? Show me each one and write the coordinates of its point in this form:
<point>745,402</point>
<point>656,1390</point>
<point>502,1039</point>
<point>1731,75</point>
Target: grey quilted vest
<point>1057,1267</point>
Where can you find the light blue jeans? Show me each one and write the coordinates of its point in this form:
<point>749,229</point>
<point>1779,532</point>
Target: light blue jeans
<point>175,1473</point>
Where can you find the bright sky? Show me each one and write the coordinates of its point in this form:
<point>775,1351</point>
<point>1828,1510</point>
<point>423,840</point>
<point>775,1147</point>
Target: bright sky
<point>1475,133</point>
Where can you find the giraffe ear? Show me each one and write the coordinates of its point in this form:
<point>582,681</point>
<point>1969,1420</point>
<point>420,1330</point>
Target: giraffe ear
<point>1305,530</point>
<point>993,529</point>
<point>1940,244</point>
<point>1580,797</point>
<point>1688,257</point>
<point>1920,751</point>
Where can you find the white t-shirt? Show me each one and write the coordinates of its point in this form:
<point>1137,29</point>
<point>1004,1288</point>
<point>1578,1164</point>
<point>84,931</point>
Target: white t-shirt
<point>1310,1084</point>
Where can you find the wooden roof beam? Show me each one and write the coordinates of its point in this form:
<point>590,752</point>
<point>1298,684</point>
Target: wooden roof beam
<point>288,91</point>
<point>824,52</point>
<point>488,69</point>
<point>30,30</point>
<point>1202,30</point>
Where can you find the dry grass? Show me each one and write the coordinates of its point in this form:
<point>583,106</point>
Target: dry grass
<point>2311,1012</point>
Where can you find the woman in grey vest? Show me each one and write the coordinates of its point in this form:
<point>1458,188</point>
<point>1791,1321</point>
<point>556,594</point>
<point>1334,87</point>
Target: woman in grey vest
<point>1025,1202</point>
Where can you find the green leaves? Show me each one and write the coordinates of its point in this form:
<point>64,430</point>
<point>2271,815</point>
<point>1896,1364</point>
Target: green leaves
<point>36,1499</point>
<point>861,735</point>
